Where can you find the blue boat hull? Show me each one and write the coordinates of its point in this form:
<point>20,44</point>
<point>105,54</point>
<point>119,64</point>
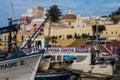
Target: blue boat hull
<point>62,75</point>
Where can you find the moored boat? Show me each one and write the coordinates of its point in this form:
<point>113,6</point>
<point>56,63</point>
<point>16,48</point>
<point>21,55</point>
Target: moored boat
<point>20,68</point>
<point>84,60</point>
<point>19,63</point>
<point>53,75</point>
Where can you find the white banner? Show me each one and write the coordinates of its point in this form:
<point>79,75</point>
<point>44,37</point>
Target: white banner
<point>75,50</point>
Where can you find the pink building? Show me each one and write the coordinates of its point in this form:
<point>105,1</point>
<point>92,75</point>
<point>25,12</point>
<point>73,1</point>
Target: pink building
<point>25,21</point>
<point>35,23</point>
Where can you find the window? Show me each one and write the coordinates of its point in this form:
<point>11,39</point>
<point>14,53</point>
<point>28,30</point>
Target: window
<point>59,58</point>
<point>35,25</point>
<point>111,32</point>
<point>60,36</point>
<point>53,58</point>
<point>83,26</point>
<point>72,27</point>
<point>116,32</point>
<point>22,38</point>
<point>5,37</point>
<point>28,36</point>
<point>80,58</point>
<point>78,25</point>
<point>20,28</point>
<point>69,23</point>
<point>106,33</point>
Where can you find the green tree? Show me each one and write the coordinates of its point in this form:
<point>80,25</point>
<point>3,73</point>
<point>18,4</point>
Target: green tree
<point>85,35</point>
<point>54,13</point>
<point>100,28</point>
<point>54,37</point>
<point>115,16</point>
<point>60,36</point>
<point>69,36</point>
<point>76,36</point>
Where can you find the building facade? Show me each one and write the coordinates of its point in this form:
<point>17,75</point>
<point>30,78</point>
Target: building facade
<point>74,25</point>
<point>69,24</point>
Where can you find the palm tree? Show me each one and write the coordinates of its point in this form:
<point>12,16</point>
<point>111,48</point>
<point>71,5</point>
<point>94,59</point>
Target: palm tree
<point>100,28</point>
<point>54,13</point>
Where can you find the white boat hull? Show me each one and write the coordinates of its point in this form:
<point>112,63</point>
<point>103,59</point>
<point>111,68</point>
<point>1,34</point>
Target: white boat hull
<point>23,68</point>
<point>83,61</point>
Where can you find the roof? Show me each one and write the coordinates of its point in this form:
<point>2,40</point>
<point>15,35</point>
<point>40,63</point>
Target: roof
<point>69,17</point>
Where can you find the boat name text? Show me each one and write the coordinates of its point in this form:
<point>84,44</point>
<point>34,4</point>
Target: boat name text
<point>11,64</point>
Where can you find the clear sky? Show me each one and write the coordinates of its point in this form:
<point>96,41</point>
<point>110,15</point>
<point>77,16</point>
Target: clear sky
<point>82,7</point>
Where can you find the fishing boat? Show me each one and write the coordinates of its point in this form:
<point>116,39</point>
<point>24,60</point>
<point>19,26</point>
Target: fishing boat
<point>54,75</point>
<point>84,61</point>
<point>19,63</point>
<point>22,67</point>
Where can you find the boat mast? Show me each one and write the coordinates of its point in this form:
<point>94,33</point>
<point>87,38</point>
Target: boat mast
<point>10,23</point>
<point>11,4</point>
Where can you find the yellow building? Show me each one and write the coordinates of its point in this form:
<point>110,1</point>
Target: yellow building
<point>20,37</point>
<point>112,32</point>
<point>72,24</point>
<point>75,24</point>
<point>69,24</point>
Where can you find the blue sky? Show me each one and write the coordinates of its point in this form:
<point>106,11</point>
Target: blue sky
<point>82,7</point>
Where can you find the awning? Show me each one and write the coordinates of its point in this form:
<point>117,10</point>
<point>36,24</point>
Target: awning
<point>101,39</point>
